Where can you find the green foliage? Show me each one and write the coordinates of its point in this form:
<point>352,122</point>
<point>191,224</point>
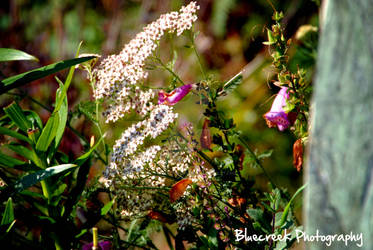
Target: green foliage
<point>31,179</point>
<point>14,55</point>
<point>24,78</point>
<point>296,75</point>
<point>42,166</point>
<point>8,215</point>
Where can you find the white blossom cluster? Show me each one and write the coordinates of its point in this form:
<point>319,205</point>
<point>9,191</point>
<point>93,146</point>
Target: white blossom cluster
<point>138,192</point>
<point>136,174</point>
<point>159,120</point>
<point>118,75</point>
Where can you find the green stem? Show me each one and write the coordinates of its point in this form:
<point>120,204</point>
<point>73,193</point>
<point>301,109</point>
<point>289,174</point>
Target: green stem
<point>197,55</point>
<point>236,167</point>
<point>86,142</point>
<point>257,161</point>
<point>45,188</point>
<point>169,70</point>
<point>57,245</point>
<point>97,123</point>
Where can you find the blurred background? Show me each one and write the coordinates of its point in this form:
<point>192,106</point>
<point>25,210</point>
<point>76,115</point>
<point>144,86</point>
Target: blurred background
<point>231,33</point>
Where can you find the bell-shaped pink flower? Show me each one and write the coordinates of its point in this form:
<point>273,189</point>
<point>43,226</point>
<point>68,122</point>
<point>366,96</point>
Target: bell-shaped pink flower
<point>175,96</point>
<point>277,116</point>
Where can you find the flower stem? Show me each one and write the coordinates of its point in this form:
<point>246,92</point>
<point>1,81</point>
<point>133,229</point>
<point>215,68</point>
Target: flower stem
<point>257,161</point>
<point>169,70</point>
<point>97,122</point>
<point>197,54</point>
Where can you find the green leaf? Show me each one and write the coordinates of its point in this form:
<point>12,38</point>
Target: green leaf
<point>14,134</point>
<point>15,55</point>
<point>10,226</point>
<point>255,214</point>
<point>57,194</point>
<point>62,113</point>
<point>265,154</point>
<point>67,83</point>
<point>286,210</point>
<point>21,79</point>
<point>259,221</point>
<point>59,190</point>
<point>85,156</point>
<point>34,118</point>
<point>232,83</point>
<point>31,179</point>
<point>82,232</point>
<point>8,216</point>
<point>56,124</point>
<point>105,209</point>
<point>8,161</point>
<point>25,152</point>
<point>50,219</point>
<point>88,109</point>
<point>32,194</point>
<point>48,133</point>
<point>15,113</point>
<point>271,38</point>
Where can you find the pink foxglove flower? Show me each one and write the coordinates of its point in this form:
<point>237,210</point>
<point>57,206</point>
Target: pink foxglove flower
<point>104,245</point>
<point>277,116</point>
<point>175,96</point>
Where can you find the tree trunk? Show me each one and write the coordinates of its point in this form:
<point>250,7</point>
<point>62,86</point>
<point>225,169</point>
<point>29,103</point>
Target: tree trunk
<point>339,197</point>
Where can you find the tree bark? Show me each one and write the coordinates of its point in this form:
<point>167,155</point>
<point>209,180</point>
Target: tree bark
<point>339,197</point>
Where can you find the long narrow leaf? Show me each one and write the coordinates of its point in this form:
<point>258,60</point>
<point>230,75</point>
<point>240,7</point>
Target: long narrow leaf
<point>62,113</point>
<point>31,179</point>
<point>15,113</point>
<point>85,156</point>
<point>25,152</point>
<point>48,133</point>
<point>8,215</point>
<point>14,134</point>
<point>34,118</point>
<point>67,82</point>
<point>15,55</point>
<point>8,161</point>
<point>21,79</point>
<point>105,209</point>
<point>286,210</point>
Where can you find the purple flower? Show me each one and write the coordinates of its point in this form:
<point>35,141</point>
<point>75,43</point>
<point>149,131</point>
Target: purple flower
<point>277,116</point>
<point>175,96</point>
<point>103,245</point>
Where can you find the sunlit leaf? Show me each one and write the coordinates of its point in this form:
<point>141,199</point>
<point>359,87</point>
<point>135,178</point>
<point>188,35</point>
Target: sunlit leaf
<point>25,152</point>
<point>231,84</point>
<point>21,79</point>
<point>85,156</point>
<point>7,54</point>
<point>105,209</point>
<point>286,210</point>
<point>62,114</point>
<point>66,86</point>
<point>31,179</point>
<point>15,113</point>
<point>14,134</point>
<point>48,133</point>
<point>34,118</point>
